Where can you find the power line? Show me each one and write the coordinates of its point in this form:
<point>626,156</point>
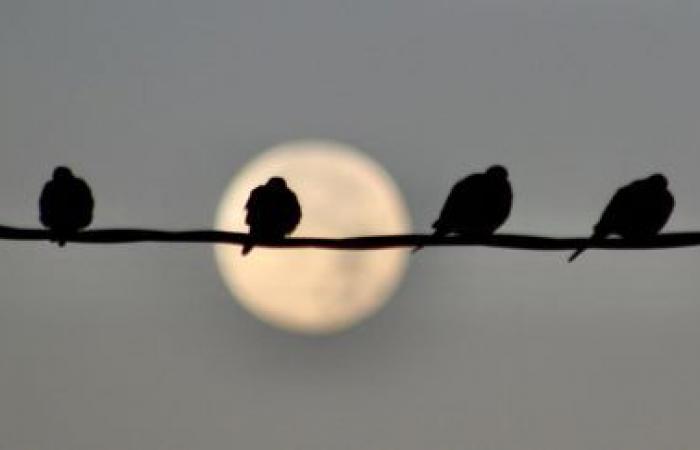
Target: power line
<point>510,241</point>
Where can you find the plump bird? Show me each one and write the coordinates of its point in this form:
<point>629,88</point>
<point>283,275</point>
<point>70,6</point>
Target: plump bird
<point>638,210</point>
<point>65,205</point>
<point>273,211</point>
<point>477,205</point>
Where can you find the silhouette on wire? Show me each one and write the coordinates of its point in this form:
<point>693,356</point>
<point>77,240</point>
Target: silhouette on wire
<point>477,205</point>
<point>65,205</point>
<point>638,210</point>
<point>273,212</point>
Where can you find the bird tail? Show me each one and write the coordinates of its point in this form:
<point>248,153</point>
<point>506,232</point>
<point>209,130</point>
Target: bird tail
<point>437,233</point>
<point>596,236</point>
<point>59,239</point>
<point>246,249</point>
<point>576,254</point>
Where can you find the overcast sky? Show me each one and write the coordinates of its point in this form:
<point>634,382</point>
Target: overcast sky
<point>157,103</point>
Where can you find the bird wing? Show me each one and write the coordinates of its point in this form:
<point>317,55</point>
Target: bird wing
<point>46,208</point>
<point>254,197</point>
<point>616,215</point>
<point>496,204</point>
<point>668,203</point>
<point>253,203</point>
<point>609,219</point>
<point>617,209</point>
<point>462,195</point>
<point>290,211</point>
<point>84,202</point>
<point>659,204</point>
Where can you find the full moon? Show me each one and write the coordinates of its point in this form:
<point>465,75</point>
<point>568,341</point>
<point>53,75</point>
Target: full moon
<point>342,193</point>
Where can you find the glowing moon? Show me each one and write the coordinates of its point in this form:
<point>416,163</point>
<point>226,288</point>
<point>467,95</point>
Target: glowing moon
<point>315,291</point>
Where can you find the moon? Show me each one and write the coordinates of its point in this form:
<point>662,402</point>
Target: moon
<point>342,193</point>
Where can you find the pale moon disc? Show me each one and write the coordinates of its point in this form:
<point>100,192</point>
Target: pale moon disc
<point>342,193</point>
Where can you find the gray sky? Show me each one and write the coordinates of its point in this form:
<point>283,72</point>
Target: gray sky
<point>157,103</point>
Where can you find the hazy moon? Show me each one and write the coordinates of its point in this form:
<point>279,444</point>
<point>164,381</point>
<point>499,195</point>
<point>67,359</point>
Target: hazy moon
<point>316,291</point>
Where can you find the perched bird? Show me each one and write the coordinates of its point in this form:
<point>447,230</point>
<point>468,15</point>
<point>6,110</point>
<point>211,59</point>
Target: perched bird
<point>636,211</point>
<point>273,211</point>
<point>65,205</point>
<point>477,205</point>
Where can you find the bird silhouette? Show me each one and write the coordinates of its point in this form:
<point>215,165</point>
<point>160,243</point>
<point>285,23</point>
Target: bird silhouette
<point>273,211</point>
<point>477,205</point>
<point>638,210</point>
<point>65,205</point>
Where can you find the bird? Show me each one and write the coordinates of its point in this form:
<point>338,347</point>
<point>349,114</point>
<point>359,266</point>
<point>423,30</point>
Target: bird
<point>65,205</point>
<point>477,205</point>
<point>638,210</point>
<point>273,211</point>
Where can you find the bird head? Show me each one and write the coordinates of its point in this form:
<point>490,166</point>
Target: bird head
<point>62,173</point>
<point>497,171</point>
<point>277,182</point>
<point>659,180</point>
